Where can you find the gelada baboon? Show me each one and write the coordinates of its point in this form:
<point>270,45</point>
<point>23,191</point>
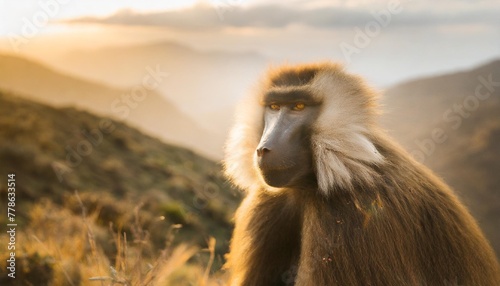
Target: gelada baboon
<point>331,200</point>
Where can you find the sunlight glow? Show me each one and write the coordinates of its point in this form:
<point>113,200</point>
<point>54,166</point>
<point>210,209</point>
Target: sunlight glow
<point>17,15</point>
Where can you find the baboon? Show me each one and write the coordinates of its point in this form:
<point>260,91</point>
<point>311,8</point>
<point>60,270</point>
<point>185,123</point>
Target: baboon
<point>332,200</point>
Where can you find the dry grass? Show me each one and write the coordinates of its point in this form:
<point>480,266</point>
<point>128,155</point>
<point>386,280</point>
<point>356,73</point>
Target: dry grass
<point>58,247</point>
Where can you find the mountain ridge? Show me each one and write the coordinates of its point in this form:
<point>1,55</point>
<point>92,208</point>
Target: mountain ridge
<point>139,105</point>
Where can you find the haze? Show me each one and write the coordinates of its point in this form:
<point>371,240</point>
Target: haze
<point>424,38</point>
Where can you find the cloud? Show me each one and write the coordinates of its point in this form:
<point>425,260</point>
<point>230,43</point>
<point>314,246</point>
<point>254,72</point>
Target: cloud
<point>202,17</point>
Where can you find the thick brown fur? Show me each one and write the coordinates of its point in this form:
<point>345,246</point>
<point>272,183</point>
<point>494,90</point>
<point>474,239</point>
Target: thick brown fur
<point>372,214</point>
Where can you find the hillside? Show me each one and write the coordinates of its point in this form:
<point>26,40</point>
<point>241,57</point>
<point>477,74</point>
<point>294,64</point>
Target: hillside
<point>148,110</point>
<point>55,151</point>
<point>466,149</point>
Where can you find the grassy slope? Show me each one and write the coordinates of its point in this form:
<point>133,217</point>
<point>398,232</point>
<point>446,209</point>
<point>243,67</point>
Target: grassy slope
<point>126,168</point>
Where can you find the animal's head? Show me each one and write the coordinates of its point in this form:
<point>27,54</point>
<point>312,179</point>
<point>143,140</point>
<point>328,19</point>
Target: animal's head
<point>306,122</point>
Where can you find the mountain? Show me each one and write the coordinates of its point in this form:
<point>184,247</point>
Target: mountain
<point>55,151</point>
<point>452,124</point>
<point>139,105</point>
<point>199,83</point>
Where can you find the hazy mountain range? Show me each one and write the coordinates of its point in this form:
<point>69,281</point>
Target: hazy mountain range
<point>200,83</point>
<point>148,110</point>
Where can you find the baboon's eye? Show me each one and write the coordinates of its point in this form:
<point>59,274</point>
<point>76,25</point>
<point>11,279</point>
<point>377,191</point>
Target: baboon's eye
<point>299,106</point>
<point>274,106</point>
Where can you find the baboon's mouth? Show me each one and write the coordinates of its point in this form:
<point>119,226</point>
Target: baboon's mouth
<point>281,167</point>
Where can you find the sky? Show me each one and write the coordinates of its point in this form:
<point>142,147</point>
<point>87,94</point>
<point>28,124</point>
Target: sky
<point>385,41</point>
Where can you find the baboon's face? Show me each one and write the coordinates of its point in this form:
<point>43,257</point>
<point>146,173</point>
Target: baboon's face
<point>305,127</point>
<point>284,154</point>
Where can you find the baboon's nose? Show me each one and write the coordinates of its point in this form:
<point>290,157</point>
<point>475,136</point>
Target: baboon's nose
<point>262,150</point>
